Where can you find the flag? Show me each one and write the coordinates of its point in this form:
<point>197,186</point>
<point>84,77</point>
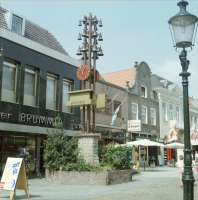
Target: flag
<point>173,134</point>
<point>193,134</point>
<point>115,115</point>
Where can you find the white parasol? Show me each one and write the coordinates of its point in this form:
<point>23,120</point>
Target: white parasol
<point>145,143</point>
<point>174,145</point>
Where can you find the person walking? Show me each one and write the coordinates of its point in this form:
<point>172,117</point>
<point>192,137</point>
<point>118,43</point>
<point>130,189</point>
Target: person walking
<point>196,157</point>
<point>180,165</point>
<point>24,153</point>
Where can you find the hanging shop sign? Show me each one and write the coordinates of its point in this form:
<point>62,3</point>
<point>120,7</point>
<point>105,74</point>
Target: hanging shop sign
<point>134,125</point>
<point>14,176</point>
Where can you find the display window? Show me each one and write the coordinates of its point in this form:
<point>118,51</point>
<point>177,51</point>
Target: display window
<point>12,145</point>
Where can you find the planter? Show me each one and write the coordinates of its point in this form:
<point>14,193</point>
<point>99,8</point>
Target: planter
<point>88,177</point>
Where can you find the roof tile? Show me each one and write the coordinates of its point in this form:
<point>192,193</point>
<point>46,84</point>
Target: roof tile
<point>120,77</point>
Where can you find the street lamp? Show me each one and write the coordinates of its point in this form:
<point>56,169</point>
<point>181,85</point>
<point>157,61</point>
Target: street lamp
<point>123,127</point>
<point>183,26</point>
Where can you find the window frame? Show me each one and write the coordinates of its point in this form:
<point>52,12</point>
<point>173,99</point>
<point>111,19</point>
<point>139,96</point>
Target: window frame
<point>53,77</point>
<point>132,103</point>
<point>14,65</point>
<point>17,17</point>
<point>119,113</point>
<point>36,78</point>
<point>110,105</point>
<point>71,86</point>
<point>177,113</point>
<point>154,116</point>
<point>195,121</point>
<point>191,121</point>
<point>145,115</point>
<point>165,111</point>
<point>145,88</point>
<point>171,111</point>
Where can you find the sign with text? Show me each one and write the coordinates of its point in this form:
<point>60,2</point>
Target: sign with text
<point>14,177</point>
<point>134,125</point>
<point>10,173</point>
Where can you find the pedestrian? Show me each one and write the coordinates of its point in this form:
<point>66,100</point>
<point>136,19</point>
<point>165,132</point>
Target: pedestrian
<point>196,157</point>
<point>24,153</point>
<point>193,164</point>
<point>180,165</point>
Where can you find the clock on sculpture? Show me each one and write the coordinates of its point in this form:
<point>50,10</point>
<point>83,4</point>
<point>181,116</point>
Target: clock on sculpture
<point>83,72</point>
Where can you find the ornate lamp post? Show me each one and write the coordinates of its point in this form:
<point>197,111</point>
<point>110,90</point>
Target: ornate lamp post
<point>183,26</point>
<point>123,127</point>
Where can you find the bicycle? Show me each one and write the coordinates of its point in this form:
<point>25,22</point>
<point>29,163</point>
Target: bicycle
<point>29,171</point>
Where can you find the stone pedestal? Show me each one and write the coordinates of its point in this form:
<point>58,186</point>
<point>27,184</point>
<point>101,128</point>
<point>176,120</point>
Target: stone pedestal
<point>88,145</point>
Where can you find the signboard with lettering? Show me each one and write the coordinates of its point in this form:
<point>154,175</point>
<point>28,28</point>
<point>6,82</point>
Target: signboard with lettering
<point>14,176</point>
<point>134,125</point>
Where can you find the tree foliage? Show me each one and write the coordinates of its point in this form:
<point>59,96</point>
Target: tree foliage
<point>59,149</point>
<point>114,156</point>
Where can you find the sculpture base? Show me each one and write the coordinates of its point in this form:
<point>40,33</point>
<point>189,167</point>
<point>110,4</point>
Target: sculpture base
<point>88,145</point>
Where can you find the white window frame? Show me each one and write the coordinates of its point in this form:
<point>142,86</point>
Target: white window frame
<point>145,91</point>
<point>9,17</point>
<point>177,113</point>
<point>145,115</point>
<point>152,109</point>
<point>196,123</point>
<point>132,111</point>
<point>6,94</point>
<point>28,99</point>
<point>191,121</point>
<point>171,111</point>
<point>65,80</point>
<point>164,109</point>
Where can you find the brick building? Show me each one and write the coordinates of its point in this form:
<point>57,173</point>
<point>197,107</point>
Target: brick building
<point>133,86</point>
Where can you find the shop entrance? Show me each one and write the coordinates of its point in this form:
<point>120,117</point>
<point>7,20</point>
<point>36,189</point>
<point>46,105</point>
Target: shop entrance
<point>12,145</point>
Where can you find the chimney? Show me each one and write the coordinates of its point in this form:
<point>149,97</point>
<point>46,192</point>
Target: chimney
<point>127,86</point>
<point>136,64</point>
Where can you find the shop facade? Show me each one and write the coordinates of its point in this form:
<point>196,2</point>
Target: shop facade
<point>35,75</point>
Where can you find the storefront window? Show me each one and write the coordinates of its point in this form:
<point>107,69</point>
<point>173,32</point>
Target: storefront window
<point>142,153</point>
<point>12,145</point>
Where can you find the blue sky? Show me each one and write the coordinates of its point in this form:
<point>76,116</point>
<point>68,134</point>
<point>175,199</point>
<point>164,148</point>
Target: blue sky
<point>132,31</point>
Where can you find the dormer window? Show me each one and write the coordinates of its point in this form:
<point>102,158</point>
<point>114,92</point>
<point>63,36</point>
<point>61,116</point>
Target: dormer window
<point>17,24</point>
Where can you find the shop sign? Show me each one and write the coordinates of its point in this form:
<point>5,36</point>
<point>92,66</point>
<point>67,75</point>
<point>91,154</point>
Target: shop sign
<point>73,103</point>
<point>37,119</point>
<point>134,125</point>
<point>5,115</point>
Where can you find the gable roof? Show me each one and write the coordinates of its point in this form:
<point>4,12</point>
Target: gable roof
<point>36,33</point>
<point>120,77</point>
<point>156,82</point>
<point>190,103</point>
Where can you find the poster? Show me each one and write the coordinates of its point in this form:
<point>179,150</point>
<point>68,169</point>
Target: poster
<point>10,174</point>
<point>134,125</point>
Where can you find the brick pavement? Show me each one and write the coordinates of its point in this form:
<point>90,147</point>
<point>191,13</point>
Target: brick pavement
<point>168,190</point>
<point>159,184</point>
